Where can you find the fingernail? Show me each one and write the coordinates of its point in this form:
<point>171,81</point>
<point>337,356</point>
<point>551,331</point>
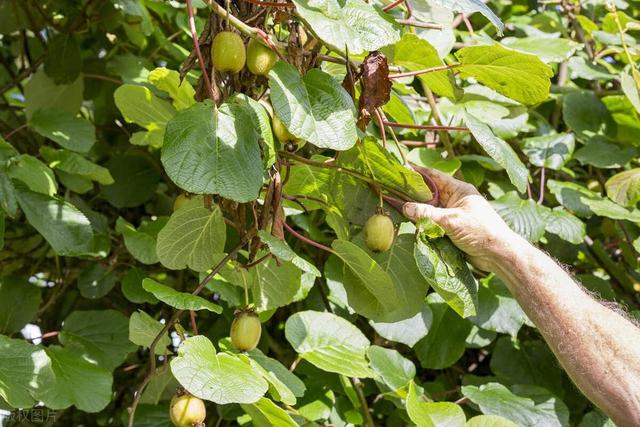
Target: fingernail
<point>409,209</point>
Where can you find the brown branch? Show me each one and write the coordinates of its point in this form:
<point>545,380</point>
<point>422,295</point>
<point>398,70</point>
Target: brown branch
<point>271,3</point>
<point>423,71</point>
<point>299,236</point>
<point>425,127</point>
<point>392,5</point>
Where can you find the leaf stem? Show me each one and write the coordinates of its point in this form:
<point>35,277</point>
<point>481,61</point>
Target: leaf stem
<point>299,236</point>
<point>357,385</point>
<point>392,5</point>
<point>542,178</point>
<point>196,46</point>
<point>426,127</point>
<point>424,71</point>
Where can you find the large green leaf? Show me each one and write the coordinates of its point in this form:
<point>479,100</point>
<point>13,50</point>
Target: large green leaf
<point>67,230</point>
<point>598,152</point>
<point>19,302</point>
<point>141,243</point>
<point>445,342</point>
<point>274,284</point>
<point>41,93</point>
<point>390,367</point>
<point>280,249</point>
<point>96,281</point>
<point>370,289</point>
<point>489,421</point>
<point>100,336</point>
<point>549,50</point>
<point>285,386</point>
<point>498,311</point>
<point>140,106</point>
<point>179,300</point>
<point>329,342</point>
<point>624,188</point>
<point>519,76</point>
<point>77,382</point>
<point>219,377</point>
<point>496,399</point>
<point>444,267</point>
<point>499,151</point>
<point>524,216</point>
<point>33,173</point>
<point>351,25</point>
<point>565,225</point>
<point>73,163</point>
<point>24,371</point>
<point>431,414</point>
<point>371,159</point>
<point>143,329</point>
<point>64,58</point>
<point>469,7</point>
<point>213,151</point>
<point>192,237</point>
<point>313,107</point>
<point>265,413</point>
<point>406,331</point>
<point>549,151</point>
<point>180,90</point>
<point>586,115</point>
<point>65,128</point>
<point>136,177</point>
<point>414,53</point>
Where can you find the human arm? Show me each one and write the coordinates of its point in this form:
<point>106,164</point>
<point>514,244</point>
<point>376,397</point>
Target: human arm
<point>598,347</point>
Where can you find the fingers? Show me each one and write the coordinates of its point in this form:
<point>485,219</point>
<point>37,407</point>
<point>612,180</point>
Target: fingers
<point>451,190</point>
<point>416,211</point>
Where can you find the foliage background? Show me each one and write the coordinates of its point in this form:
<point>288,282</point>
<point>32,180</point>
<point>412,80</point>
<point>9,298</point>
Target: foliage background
<point>100,137</point>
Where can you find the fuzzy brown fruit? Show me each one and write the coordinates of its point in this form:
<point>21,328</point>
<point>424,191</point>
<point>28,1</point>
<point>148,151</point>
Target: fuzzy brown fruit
<point>180,201</point>
<point>260,58</point>
<point>379,233</point>
<point>245,330</point>
<point>187,411</point>
<point>228,52</point>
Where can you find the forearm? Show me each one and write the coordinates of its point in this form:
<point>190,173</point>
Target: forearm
<point>599,348</point>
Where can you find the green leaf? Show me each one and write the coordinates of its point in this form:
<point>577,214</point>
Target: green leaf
<point>136,177</point>
<point>519,76</point>
<point>584,202</point>
<point>273,284</point>
<point>444,267</point>
<point>549,151</point>
<point>285,386</point>
<point>565,225</point>
<point>624,187</point>
<point>219,377</point>
<point>351,25</point>
<point>428,414</point>
<point>72,163</point>
<point>371,159</point>
<point>265,413</point>
<point>66,229</point>
<point>524,216</point>
<point>549,50</point>
<point>406,331</point>
<point>530,363</point>
<point>63,62</point>
<point>586,115</point>
<point>99,336</point>
<point>24,371</point>
<point>489,421</point>
<point>496,399</point>
<point>42,93</point>
<point>8,195</point>
<point>77,382</point>
<point>445,342</point>
<point>35,174</point>
<point>630,89</point>
<point>262,125</point>
<point>140,106</point>
<point>414,53</point>
<point>65,128</point>
<point>390,367</point>
<point>132,287</point>
<point>602,154</point>
<point>328,342</point>
<point>96,281</point>
<point>169,81</point>
<point>370,289</point>
<point>213,151</point>
<point>141,243</point>
<point>179,300</point>
<point>315,108</point>
<point>498,311</point>
<point>469,7</point>
<point>429,158</point>
<point>143,329</point>
<point>192,238</point>
<point>499,151</point>
<point>580,68</point>
<point>281,249</point>
<point>19,302</point>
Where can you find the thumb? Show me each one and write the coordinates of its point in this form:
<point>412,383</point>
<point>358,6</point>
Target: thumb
<point>415,211</point>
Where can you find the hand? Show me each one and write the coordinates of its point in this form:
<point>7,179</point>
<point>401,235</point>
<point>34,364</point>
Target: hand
<point>469,221</point>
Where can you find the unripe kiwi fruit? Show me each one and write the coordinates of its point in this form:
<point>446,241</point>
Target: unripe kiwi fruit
<point>280,130</point>
<point>228,52</point>
<point>379,233</point>
<point>245,330</point>
<point>187,411</point>
<point>260,58</point>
